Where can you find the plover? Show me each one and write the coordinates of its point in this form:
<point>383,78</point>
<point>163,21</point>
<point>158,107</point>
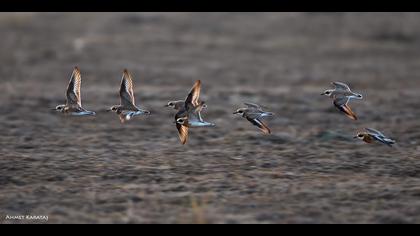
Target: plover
<point>374,135</point>
<point>254,114</point>
<point>73,104</point>
<point>189,115</point>
<point>193,95</point>
<point>177,105</point>
<point>127,108</point>
<point>342,95</point>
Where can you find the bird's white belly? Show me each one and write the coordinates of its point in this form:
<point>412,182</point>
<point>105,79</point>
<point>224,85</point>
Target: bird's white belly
<point>200,124</point>
<point>133,113</point>
<point>83,113</point>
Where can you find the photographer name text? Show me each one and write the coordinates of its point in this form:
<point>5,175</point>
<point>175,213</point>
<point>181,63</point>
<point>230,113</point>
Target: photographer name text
<point>26,217</point>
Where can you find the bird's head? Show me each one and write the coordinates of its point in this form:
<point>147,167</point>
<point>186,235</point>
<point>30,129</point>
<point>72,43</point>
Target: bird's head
<point>113,108</point>
<point>359,96</point>
<point>59,108</point>
<point>240,111</point>
<point>171,104</point>
<point>327,92</point>
<point>182,121</point>
<point>360,135</point>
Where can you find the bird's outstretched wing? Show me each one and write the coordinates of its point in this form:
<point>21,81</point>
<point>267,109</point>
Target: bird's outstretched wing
<point>383,140</point>
<point>253,105</point>
<point>192,99</point>
<point>182,133</point>
<point>379,136</point>
<point>257,122</point>
<point>253,113</point>
<point>73,89</point>
<point>127,90</point>
<point>341,104</point>
<point>341,86</point>
<point>182,128</point>
<point>375,132</point>
<point>340,100</point>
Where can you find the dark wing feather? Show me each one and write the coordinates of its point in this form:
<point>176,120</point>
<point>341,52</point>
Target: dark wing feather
<point>182,129</point>
<point>73,89</point>
<point>375,132</point>
<point>383,140</point>
<point>127,90</point>
<point>347,111</point>
<point>257,122</point>
<point>194,95</point>
<point>182,133</point>
<point>341,103</point>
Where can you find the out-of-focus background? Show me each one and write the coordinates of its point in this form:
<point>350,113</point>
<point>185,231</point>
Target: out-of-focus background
<point>310,170</point>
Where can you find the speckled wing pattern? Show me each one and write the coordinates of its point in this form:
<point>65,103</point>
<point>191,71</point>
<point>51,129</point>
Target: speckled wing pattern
<point>127,91</point>
<point>182,133</point>
<point>192,99</point>
<point>73,89</point>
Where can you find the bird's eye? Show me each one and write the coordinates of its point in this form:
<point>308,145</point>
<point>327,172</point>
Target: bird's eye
<point>170,104</point>
<point>240,112</point>
<point>328,92</point>
<point>360,135</point>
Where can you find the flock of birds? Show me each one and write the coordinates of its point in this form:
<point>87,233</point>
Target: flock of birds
<point>189,110</point>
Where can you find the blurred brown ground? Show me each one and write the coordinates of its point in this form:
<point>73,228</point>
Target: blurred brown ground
<point>310,170</point>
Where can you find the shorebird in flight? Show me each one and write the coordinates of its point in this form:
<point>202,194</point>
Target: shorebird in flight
<point>177,105</point>
<point>254,114</point>
<point>372,135</point>
<point>189,114</point>
<point>342,95</point>
<point>193,96</point>
<point>73,104</point>
<point>127,108</point>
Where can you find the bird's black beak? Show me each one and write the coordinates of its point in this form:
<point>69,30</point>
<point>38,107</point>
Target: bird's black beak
<point>53,109</point>
<point>235,112</point>
<point>166,105</point>
<point>322,93</point>
<point>355,136</point>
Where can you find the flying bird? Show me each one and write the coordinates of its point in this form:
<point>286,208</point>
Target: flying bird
<point>372,135</point>
<point>254,114</point>
<point>127,108</point>
<point>189,114</point>
<point>341,95</point>
<point>73,104</point>
<point>193,96</point>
